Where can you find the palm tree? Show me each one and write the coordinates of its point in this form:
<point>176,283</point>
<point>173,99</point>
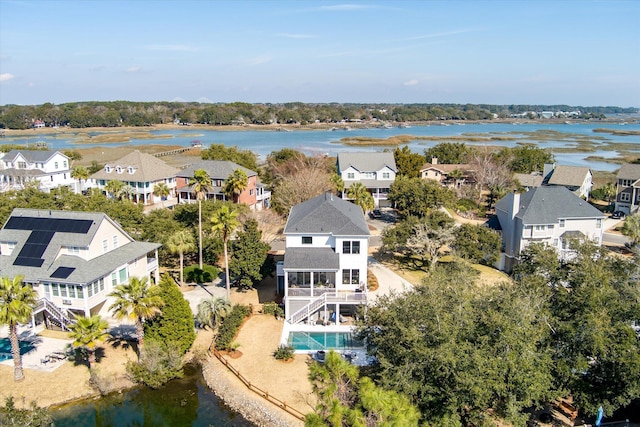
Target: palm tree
<point>225,222</point>
<point>127,191</point>
<point>211,311</point>
<point>201,183</point>
<point>609,191</point>
<point>337,182</point>
<point>16,307</point>
<point>361,196</point>
<point>114,188</point>
<point>161,190</point>
<point>86,333</point>
<point>631,228</point>
<point>235,184</point>
<point>135,301</point>
<point>178,243</point>
<point>81,174</point>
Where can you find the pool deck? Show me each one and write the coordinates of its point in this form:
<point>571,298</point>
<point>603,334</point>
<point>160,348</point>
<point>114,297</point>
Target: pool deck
<point>43,346</point>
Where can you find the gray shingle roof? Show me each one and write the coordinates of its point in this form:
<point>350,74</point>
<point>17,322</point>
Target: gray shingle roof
<point>147,168</point>
<point>529,180</point>
<point>32,156</point>
<point>85,271</point>
<point>629,171</point>
<point>546,205</point>
<point>327,213</point>
<point>319,258</point>
<point>568,175</point>
<point>216,169</point>
<point>366,161</point>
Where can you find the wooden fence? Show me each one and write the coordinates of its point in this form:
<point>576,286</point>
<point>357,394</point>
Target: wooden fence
<point>262,393</point>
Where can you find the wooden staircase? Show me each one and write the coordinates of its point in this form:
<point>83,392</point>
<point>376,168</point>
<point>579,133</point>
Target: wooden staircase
<point>56,316</point>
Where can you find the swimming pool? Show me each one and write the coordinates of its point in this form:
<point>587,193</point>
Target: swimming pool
<point>5,348</point>
<point>313,341</point>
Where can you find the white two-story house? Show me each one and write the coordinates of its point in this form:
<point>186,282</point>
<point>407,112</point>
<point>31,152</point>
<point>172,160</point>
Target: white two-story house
<point>551,215</point>
<point>325,262</point>
<point>628,188</point>
<point>376,171</point>
<point>73,260</point>
<point>48,169</point>
<point>576,178</point>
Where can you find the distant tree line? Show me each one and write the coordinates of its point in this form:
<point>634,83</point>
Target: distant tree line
<point>127,113</point>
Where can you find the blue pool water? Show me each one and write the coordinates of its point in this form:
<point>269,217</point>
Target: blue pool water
<point>313,341</point>
<point>5,348</point>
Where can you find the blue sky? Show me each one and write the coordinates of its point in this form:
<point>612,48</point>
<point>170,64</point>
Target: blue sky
<point>575,52</point>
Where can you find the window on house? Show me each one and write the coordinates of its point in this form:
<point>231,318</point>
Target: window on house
<point>72,291</point>
<point>107,169</point>
<point>598,223</point>
<point>350,247</point>
<point>80,292</point>
<point>105,246</point>
<point>90,289</point>
<point>22,165</point>
<point>130,170</point>
<point>386,175</point>
<point>350,277</point>
<point>540,227</point>
<point>123,275</point>
<point>63,290</point>
<point>101,283</point>
<point>55,165</point>
<point>638,196</point>
<point>115,241</point>
<point>626,182</point>
<point>114,280</point>
<point>54,290</point>
<point>555,243</point>
<point>251,192</point>
<point>64,164</point>
<point>307,240</point>
<point>625,197</point>
<point>351,175</point>
<point>562,223</point>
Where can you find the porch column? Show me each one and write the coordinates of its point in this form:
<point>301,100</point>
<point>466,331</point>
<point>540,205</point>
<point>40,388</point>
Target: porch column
<point>157,270</point>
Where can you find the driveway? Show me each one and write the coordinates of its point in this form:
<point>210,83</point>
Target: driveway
<point>388,280</point>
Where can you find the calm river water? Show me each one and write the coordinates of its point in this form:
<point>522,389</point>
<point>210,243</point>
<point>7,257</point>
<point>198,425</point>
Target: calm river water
<point>556,137</point>
<point>183,402</point>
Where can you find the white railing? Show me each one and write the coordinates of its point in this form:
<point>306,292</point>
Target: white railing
<point>327,298</point>
<point>56,313</point>
<point>307,310</point>
<point>152,264</point>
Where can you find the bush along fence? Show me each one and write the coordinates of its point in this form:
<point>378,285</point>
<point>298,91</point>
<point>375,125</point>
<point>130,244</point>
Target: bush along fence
<point>262,393</point>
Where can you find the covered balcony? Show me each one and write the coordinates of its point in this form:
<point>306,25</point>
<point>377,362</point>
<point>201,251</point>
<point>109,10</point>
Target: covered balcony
<point>311,283</point>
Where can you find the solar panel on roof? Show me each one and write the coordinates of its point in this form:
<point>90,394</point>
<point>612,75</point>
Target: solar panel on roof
<point>62,272</point>
<point>40,237</point>
<point>49,224</point>
<point>28,262</point>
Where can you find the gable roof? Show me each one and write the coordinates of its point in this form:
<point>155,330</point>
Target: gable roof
<point>366,161</point>
<point>216,169</point>
<point>147,168</point>
<point>568,175</point>
<point>446,168</point>
<point>629,171</point>
<point>546,205</point>
<point>327,214</point>
<point>40,234</point>
<point>528,179</point>
<point>32,156</point>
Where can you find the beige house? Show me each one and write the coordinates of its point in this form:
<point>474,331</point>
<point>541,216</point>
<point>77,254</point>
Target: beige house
<point>441,173</point>
<point>73,260</point>
<point>142,172</point>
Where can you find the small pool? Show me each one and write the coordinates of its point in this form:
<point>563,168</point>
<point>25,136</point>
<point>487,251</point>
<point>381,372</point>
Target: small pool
<point>5,348</point>
<point>313,341</point>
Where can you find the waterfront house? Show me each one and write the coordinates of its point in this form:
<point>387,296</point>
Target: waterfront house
<point>451,175</point>
<point>45,168</point>
<point>575,178</point>
<point>324,273</point>
<point>551,215</point>
<point>141,171</point>
<point>255,195</point>
<point>376,171</point>
<point>73,260</point>
<point>628,188</point>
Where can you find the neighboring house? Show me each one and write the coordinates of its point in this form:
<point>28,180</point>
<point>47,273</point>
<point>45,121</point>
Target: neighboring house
<point>49,169</point>
<point>551,215</point>
<point>529,180</point>
<point>575,178</point>
<point>256,196</point>
<point>628,188</point>
<point>73,260</point>
<point>324,274</point>
<point>441,173</point>
<point>139,170</point>
<point>376,171</point>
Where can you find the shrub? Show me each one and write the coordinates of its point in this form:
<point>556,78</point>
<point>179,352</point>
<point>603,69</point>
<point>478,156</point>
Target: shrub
<point>466,205</point>
<point>284,352</point>
<point>372,281</point>
<point>193,274</point>
<point>269,308</point>
<point>229,327</point>
<point>159,363</point>
<point>33,416</point>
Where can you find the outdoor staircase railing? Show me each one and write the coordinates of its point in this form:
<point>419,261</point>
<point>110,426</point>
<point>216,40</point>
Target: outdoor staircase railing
<point>58,317</point>
<point>328,297</point>
<point>308,309</point>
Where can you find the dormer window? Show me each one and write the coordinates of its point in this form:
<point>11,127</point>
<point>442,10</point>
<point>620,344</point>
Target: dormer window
<point>131,170</point>
<point>307,240</point>
<point>118,169</point>
<point>107,169</point>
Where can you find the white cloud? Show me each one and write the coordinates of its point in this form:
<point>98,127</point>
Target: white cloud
<point>410,83</point>
<point>261,59</point>
<point>296,36</point>
<point>173,48</point>
<point>6,77</point>
<point>133,69</point>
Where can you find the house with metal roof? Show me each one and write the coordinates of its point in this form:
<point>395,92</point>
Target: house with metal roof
<point>628,188</point>
<point>256,195</point>
<point>575,178</point>
<point>324,273</point>
<point>47,168</point>
<point>551,215</point>
<point>73,260</point>
<point>375,170</point>
<point>141,172</point>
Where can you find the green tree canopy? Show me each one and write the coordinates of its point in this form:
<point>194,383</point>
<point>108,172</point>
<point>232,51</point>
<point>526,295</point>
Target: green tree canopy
<point>408,162</point>
<point>361,196</point>
<point>246,158</point>
<point>173,327</point>
<point>416,196</point>
<point>477,244</point>
<point>525,158</point>
<point>249,254</point>
<point>451,153</point>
